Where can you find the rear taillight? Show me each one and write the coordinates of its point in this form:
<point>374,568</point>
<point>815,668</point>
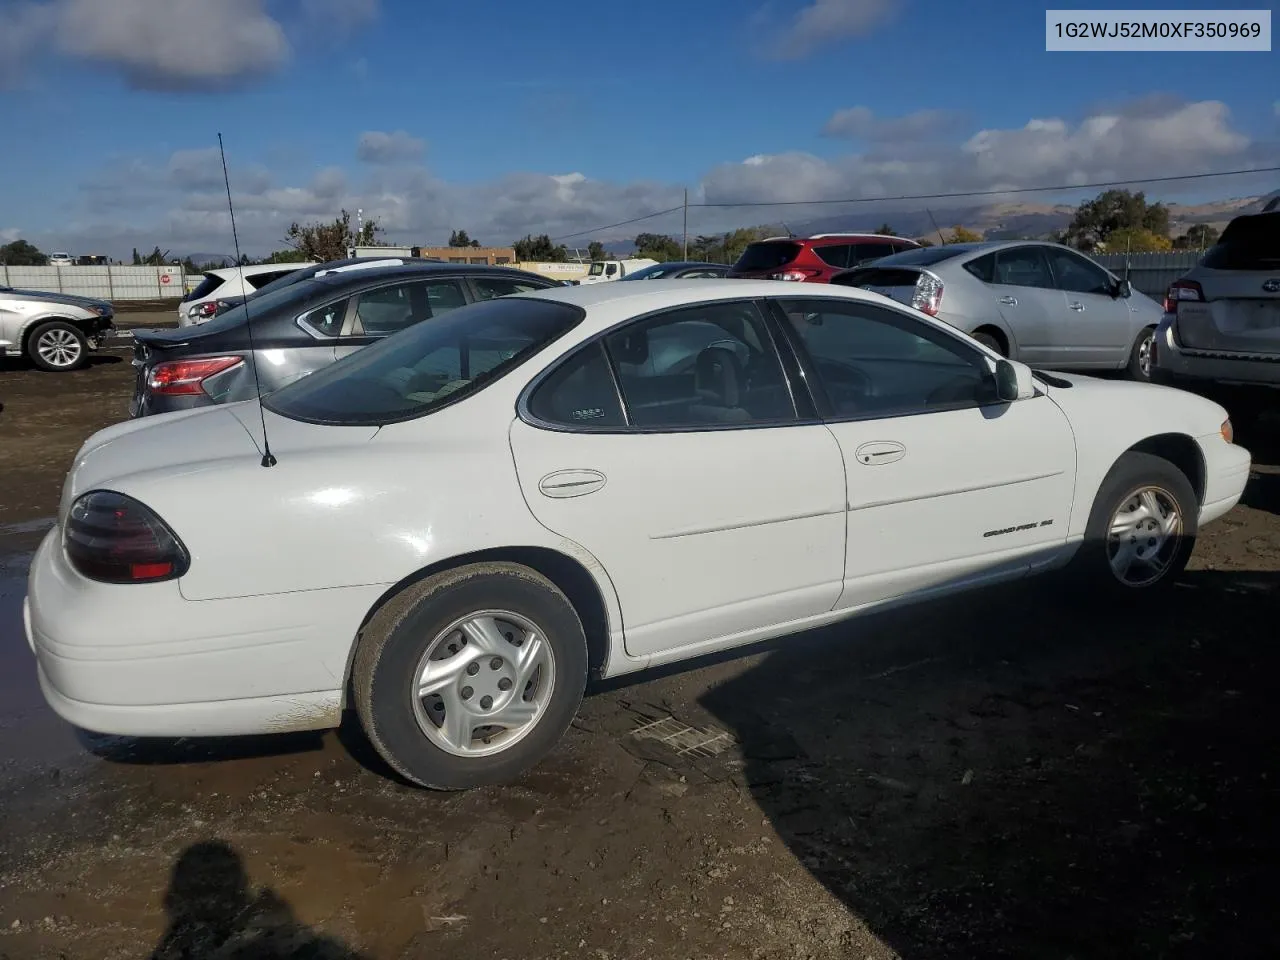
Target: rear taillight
<point>115,539</point>
<point>1182,290</point>
<point>797,275</point>
<point>185,378</point>
<point>928,295</point>
<point>207,309</point>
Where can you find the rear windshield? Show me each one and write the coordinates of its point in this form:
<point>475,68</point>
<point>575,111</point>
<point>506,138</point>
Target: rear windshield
<point>1248,243</point>
<point>877,276</point>
<point>210,283</point>
<point>767,255</point>
<point>924,256</point>
<point>427,366</point>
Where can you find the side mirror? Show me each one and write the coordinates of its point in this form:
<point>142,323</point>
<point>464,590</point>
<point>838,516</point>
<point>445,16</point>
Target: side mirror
<point>1124,289</point>
<point>1013,381</point>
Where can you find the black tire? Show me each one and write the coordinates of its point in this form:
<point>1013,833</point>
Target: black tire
<point>990,342</point>
<point>67,334</point>
<point>1130,474</point>
<point>1140,354</point>
<point>393,644</point>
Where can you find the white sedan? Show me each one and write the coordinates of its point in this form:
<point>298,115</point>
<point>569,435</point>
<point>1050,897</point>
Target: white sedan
<point>451,530</point>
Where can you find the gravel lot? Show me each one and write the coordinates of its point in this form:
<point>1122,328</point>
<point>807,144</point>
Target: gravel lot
<point>1012,774</point>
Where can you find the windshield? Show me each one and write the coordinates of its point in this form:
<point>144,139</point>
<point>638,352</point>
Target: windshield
<point>768,255</point>
<point>427,366</point>
<point>596,269</point>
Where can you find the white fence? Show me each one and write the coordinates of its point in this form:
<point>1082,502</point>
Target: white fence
<point>107,283</point>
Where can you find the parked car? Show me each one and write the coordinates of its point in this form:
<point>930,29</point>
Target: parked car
<point>1220,333</point>
<point>602,271</point>
<point>460,524</point>
<point>200,305</point>
<point>814,259</point>
<point>61,259</point>
<point>306,271</point>
<point>301,327</point>
<point>680,270</point>
<point>1041,303</point>
<point>55,331</point>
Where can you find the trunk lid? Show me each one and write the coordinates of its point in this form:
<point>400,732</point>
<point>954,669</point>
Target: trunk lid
<point>1239,280</point>
<point>896,283</point>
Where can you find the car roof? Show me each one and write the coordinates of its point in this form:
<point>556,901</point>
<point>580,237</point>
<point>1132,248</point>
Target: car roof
<point>428,268</point>
<point>658,294</point>
<point>251,268</point>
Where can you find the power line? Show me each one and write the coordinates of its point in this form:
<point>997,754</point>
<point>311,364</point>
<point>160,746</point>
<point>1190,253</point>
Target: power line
<point>990,193</point>
<point>931,196</point>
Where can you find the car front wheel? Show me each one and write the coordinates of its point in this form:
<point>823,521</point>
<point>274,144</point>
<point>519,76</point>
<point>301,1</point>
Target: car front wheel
<point>1142,528</point>
<point>470,677</point>
<point>58,346</point>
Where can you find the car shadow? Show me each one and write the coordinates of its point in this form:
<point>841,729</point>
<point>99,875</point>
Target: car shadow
<point>165,751</point>
<point>22,364</point>
<point>1024,772</point>
<point>213,914</point>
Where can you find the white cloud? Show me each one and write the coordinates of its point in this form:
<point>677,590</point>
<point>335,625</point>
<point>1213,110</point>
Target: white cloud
<point>377,146</point>
<point>862,124</point>
<point>168,44</point>
<point>825,22</point>
<point>9,234</point>
<point>176,203</point>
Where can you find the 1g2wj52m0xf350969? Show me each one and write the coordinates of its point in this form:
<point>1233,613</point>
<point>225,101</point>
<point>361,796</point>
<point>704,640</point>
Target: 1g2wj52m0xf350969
<point>467,519</point>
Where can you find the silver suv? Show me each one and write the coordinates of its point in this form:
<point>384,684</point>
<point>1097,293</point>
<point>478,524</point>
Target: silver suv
<point>55,331</point>
<point>1220,335</point>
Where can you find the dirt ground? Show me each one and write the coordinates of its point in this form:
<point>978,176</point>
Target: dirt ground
<point>1017,773</point>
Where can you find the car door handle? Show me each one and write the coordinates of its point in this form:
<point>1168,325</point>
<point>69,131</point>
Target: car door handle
<point>879,451</point>
<point>571,483</point>
<point>1076,305</point>
<point>1009,301</point>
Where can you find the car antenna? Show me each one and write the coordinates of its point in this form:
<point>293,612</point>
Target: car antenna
<point>788,229</point>
<point>935,226</point>
<point>267,459</point>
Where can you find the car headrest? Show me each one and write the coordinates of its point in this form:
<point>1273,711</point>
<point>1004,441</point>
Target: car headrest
<point>631,347</point>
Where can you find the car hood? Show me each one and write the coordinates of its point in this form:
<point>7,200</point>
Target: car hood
<point>1094,403</point>
<point>134,456</point>
<point>65,299</point>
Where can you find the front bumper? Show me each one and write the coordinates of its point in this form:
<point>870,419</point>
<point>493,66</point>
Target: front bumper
<point>141,660</point>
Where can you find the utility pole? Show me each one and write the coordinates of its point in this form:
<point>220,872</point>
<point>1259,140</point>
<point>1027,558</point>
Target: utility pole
<point>686,224</point>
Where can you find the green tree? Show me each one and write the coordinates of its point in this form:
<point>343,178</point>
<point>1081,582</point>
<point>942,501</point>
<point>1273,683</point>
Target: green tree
<point>596,251</point>
<point>960,235</point>
<point>658,246</point>
<point>284,256</point>
<point>20,253</point>
<point>1112,210</point>
<point>459,238</point>
<point>330,241</point>
<point>137,257</point>
<point>886,231</point>
<point>1198,237</point>
<point>1136,240</point>
<point>540,249</point>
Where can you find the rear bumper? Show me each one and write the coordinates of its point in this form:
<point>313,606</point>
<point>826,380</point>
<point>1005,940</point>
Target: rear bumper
<point>1208,372</point>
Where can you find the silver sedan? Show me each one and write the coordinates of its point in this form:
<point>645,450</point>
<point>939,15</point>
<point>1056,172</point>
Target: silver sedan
<point>1042,304</point>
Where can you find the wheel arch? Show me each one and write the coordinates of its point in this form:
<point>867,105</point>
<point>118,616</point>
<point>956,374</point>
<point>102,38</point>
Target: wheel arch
<point>1000,333</point>
<point>1182,451</point>
<point>34,323</point>
<point>570,575</point>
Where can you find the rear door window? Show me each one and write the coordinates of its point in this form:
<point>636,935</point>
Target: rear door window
<point>1023,267</point>
<point>834,255</point>
<point>862,252</point>
<point>386,310</point>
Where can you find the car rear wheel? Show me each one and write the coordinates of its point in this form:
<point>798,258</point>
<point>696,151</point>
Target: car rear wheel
<point>58,346</point>
<point>990,342</point>
<point>1139,367</point>
<point>470,677</point>
<point>1142,528</point>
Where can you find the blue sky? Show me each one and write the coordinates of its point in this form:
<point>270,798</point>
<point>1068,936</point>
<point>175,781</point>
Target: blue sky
<point>504,118</point>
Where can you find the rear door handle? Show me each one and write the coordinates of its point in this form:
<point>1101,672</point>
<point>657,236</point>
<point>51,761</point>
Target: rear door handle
<point>879,451</point>
<point>1009,301</point>
<point>571,483</point>
<point>1076,305</point>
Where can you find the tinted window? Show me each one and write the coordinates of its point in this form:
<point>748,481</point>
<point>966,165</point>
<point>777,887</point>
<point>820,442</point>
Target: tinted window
<point>924,256</point>
<point>260,280</point>
<point>834,255</point>
<point>210,283</point>
<point>1022,267</point>
<point>489,287</point>
<point>1248,243</point>
<point>700,366</point>
<point>984,268</point>
<point>703,274</point>
<point>1075,274</point>
<point>579,393</point>
<point>387,310</point>
<point>767,255</point>
<point>874,362</point>
<point>327,320</point>
<point>862,252</point>
<point>427,366</point>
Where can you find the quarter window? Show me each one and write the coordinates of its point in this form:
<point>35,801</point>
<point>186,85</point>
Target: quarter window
<point>834,255</point>
<point>1022,267</point>
<point>875,362</point>
<point>580,392</point>
<point>1075,274</point>
<point>984,268</point>
<point>386,310</point>
<point>326,320</point>
<point>700,366</point>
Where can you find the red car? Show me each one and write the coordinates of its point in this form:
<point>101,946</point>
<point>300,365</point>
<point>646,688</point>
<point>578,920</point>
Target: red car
<point>814,259</point>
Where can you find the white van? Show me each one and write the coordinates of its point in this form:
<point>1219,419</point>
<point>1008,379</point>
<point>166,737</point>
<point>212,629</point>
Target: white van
<point>602,270</point>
